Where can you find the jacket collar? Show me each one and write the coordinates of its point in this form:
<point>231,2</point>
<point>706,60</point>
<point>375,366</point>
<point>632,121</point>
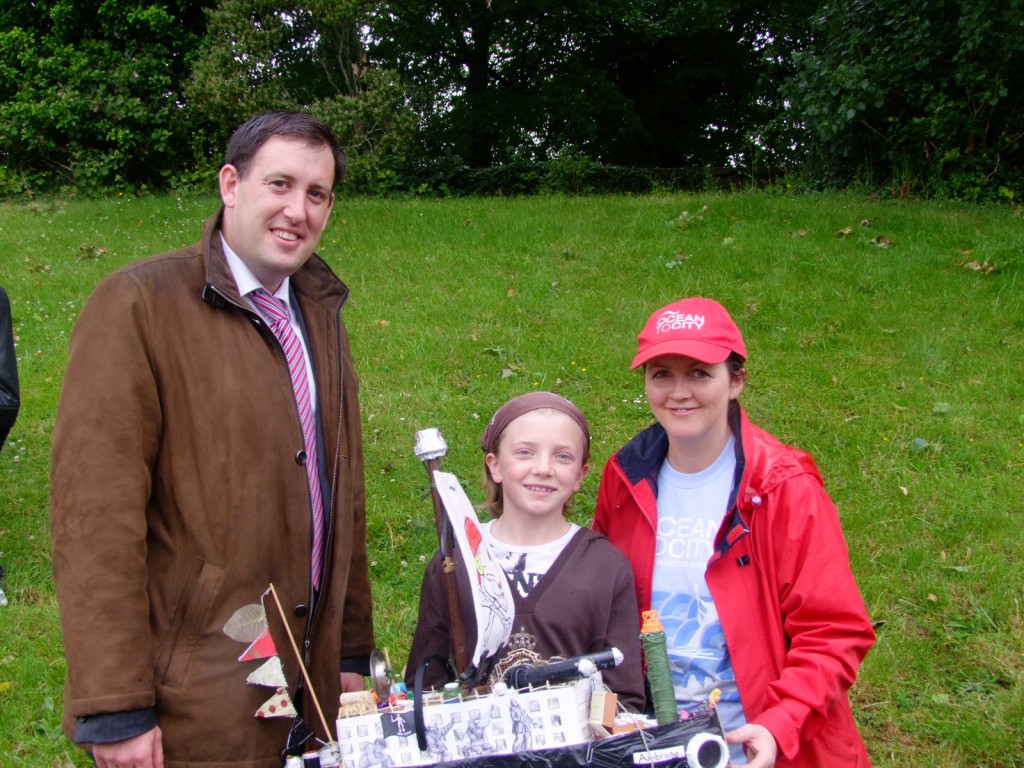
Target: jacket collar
<point>314,280</point>
<point>641,458</point>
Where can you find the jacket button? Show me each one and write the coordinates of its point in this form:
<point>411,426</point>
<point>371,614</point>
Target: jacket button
<point>300,611</point>
<point>300,458</point>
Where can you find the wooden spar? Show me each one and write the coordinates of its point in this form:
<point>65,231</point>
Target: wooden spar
<point>430,447</point>
<point>302,667</point>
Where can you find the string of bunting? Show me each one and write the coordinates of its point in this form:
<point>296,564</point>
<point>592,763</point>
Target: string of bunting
<point>249,625</point>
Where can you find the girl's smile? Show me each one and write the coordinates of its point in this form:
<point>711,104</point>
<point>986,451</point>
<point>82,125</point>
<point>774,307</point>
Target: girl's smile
<point>539,464</point>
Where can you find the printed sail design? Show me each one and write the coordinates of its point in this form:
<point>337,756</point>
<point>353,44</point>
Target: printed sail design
<point>492,598</point>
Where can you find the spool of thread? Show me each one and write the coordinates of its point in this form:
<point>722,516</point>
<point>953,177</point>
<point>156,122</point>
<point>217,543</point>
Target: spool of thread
<point>659,674</point>
<point>707,750</point>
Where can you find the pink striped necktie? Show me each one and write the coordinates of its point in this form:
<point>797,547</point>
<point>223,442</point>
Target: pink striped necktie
<point>276,312</point>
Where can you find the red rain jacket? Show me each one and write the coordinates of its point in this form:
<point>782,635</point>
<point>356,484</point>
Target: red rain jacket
<point>793,618</point>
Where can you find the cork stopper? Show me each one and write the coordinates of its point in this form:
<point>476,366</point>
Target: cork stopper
<point>651,623</point>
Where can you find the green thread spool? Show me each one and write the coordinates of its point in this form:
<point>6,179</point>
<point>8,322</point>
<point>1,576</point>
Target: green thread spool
<point>659,674</point>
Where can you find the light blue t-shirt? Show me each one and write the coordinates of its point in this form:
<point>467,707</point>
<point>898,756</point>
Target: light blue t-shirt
<point>690,512</point>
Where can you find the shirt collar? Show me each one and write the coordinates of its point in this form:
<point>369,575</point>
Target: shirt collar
<point>247,281</point>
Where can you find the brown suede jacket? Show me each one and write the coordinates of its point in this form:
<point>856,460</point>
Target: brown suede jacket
<point>177,497</point>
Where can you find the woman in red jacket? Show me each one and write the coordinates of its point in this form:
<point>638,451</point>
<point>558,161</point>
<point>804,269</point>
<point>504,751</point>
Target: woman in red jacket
<point>736,544</point>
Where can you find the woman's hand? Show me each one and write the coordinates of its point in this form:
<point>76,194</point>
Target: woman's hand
<point>758,743</point>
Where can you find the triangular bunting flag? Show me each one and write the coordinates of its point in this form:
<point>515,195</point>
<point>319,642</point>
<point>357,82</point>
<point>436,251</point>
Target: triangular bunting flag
<point>262,648</point>
<point>278,705</point>
<point>270,674</point>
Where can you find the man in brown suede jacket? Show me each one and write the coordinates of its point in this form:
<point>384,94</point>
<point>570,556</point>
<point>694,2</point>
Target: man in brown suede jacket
<point>179,486</point>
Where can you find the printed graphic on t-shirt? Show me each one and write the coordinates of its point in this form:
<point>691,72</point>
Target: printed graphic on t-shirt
<point>697,650</point>
<point>524,566</point>
<point>693,631</point>
<point>690,512</point>
<point>514,565</point>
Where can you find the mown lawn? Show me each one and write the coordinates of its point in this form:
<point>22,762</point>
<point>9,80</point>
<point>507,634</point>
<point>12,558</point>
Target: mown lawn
<point>885,337</point>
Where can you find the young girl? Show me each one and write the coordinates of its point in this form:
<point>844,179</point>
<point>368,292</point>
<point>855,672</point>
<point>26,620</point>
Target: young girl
<point>734,541</point>
<point>573,591</point>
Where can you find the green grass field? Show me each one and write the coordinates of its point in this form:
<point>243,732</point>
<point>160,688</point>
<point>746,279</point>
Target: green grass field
<point>884,337</point>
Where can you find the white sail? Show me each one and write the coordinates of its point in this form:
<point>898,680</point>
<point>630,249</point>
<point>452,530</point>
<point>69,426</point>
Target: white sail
<point>492,598</point>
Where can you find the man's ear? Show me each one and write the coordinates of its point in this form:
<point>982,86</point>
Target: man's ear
<point>228,178</point>
<point>330,207</point>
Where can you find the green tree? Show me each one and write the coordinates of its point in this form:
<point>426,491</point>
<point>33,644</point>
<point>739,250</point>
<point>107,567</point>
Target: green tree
<point>89,91</point>
<point>264,54</point>
<point>684,82</point>
<point>477,67</point>
<point>915,93</point>
<point>637,82</point>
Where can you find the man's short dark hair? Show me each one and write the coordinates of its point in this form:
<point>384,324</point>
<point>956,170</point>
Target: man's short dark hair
<point>247,139</point>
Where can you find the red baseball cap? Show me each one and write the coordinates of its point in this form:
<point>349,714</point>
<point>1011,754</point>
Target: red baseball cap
<point>696,327</point>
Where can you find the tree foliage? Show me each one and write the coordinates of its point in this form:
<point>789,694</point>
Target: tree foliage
<point>112,93</point>
<point>926,94</point>
<point>636,82</point>
<point>265,54</point>
<point>377,128</point>
<point>476,68</point>
<point>262,54</point>
<point>90,90</point>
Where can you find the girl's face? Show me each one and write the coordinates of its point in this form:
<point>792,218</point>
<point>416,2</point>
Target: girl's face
<point>539,463</point>
<point>690,399</point>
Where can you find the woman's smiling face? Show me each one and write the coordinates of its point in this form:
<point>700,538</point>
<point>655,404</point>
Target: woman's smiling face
<point>690,399</point>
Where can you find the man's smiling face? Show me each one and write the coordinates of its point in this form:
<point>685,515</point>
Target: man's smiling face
<point>275,215</point>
